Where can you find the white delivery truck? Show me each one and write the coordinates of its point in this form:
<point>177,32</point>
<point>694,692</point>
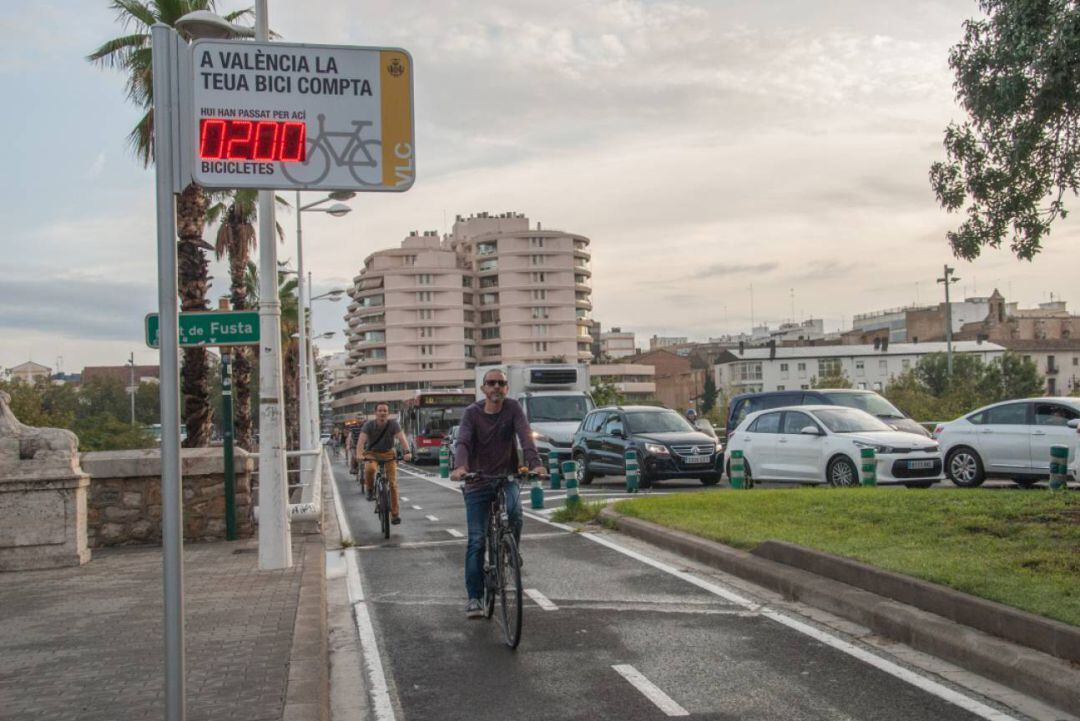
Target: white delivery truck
<point>555,398</point>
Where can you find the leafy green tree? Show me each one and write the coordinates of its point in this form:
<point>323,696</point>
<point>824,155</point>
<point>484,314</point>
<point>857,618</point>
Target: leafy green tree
<point>1012,162</point>
<point>106,432</point>
<point>1013,376</point>
<point>106,396</point>
<point>709,394</point>
<point>833,380</point>
<point>606,394</point>
<point>148,404</point>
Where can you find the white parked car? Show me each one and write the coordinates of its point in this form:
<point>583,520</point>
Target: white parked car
<point>1010,439</point>
<point>822,444</point>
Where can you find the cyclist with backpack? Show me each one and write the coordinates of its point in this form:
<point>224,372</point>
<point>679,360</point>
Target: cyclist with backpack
<point>485,445</point>
<point>376,443</point>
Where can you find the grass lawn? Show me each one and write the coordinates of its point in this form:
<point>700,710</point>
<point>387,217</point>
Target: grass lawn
<point>1021,548</point>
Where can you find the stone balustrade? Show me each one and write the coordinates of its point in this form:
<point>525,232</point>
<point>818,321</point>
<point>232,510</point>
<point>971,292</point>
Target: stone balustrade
<point>124,499</point>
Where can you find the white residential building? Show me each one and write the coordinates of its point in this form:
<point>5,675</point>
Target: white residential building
<point>635,381</point>
<point>617,343</point>
<point>866,366</point>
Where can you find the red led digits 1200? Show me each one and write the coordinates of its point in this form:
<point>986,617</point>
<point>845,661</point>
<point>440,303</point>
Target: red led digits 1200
<point>226,139</point>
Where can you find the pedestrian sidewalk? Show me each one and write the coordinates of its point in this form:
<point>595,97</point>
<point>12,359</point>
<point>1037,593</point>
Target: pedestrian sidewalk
<point>88,643</point>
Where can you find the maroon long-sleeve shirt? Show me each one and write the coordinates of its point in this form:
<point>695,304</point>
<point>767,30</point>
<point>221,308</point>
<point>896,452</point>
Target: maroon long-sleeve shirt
<point>486,440</point>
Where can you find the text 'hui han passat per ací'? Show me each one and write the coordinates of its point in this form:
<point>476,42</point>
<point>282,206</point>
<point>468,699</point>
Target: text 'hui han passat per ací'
<point>283,72</point>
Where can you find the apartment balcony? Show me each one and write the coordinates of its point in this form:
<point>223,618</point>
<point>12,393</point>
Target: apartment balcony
<point>1052,370</point>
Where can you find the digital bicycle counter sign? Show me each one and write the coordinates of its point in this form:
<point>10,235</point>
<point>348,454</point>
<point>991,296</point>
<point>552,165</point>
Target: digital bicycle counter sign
<point>279,116</point>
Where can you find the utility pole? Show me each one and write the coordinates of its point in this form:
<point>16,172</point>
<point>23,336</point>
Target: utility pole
<point>948,280</point>
<point>131,386</point>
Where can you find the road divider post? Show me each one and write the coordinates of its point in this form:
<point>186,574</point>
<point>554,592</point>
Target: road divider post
<point>444,461</point>
<point>569,472</point>
<point>536,494</point>
<point>632,471</point>
<point>1059,467</point>
<point>553,471</point>
<point>737,471</point>
<point>869,466</point>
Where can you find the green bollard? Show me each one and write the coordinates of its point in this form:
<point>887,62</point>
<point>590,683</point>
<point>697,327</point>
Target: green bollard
<point>1059,467</point>
<point>737,471</point>
<point>536,495</point>
<point>553,471</point>
<point>569,472</point>
<point>444,462</point>
<point>633,473</point>
<point>869,466</point>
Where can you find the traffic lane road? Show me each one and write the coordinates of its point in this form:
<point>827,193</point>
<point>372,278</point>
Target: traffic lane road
<point>713,658</point>
<point>425,502</point>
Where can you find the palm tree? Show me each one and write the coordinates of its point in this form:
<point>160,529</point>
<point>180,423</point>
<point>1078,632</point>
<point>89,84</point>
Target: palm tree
<point>236,210</point>
<point>130,53</point>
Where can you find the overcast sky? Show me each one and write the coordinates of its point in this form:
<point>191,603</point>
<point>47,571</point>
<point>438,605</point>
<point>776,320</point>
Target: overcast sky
<point>704,147</point>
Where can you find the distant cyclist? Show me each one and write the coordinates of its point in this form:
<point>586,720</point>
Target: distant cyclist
<point>376,443</point>
<point>700,424</point>
<point>352,433</point>
<point>485,445</point>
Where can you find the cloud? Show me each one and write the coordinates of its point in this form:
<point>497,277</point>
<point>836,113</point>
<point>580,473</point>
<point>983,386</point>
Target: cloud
<point>722,269</point>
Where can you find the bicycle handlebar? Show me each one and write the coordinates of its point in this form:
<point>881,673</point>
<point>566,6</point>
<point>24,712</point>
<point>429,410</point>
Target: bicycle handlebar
<point>521,476</point>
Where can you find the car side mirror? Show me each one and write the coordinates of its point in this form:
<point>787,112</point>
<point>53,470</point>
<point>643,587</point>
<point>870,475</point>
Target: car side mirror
<point>618,432</point>
<point>810,431</point>
<point>1074,423</point>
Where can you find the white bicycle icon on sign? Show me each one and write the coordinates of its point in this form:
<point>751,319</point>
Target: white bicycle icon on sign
<point>355,156</point>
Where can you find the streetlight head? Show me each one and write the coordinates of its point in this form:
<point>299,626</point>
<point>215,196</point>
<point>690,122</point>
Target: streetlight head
<point>338,209</point>
<point>205,24</point>
<point>343,195</point>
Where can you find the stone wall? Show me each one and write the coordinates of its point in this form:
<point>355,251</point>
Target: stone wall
<point>124,502</point>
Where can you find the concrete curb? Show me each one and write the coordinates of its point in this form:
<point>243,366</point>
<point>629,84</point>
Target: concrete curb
<point>307,694</point>
<point>1050,679</point>
<point>1036,632</point>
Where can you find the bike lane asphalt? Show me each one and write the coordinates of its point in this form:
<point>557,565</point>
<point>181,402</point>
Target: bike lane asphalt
<point>621,639</point>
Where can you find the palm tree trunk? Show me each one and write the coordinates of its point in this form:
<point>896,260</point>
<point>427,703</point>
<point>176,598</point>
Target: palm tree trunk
<point>242,365</point>
<point>193,283</point>
<point>292,392</point>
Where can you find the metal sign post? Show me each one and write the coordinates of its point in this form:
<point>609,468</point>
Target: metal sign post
<point>166,51</point>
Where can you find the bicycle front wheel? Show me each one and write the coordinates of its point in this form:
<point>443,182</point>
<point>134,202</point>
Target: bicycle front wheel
<point>510,591</point>
<point>384,509</point>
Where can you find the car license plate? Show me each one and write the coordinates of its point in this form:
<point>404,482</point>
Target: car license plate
<point>919,465</point>
<point>698,459</point>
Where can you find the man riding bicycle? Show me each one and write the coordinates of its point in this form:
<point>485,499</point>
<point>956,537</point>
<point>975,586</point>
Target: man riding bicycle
<point>376,443</point>
<point>485,446</point>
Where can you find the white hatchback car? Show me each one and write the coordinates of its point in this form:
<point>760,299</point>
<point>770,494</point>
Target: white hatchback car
<point>1010,439</point>
<point>822,444</point>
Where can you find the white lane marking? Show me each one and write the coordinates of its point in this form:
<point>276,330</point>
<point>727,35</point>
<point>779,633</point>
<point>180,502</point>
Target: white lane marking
<point>664,702</point>
<point>339,511</point>
<point>432,518</point>
<point>381,705</point>
<point>417,508</point>
<point>454,532</point>
<point>404,499</point>
<point>893,669</point>
<point>541,600</point>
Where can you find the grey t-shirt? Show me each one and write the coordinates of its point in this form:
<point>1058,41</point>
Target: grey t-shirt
<point>372,430</point>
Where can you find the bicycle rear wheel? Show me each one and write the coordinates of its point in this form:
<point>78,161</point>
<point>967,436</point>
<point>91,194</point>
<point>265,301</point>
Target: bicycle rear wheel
<point>384,509</point>
<point>510,591</point>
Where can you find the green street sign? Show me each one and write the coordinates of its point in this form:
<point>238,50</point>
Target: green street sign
<point>222,327</point>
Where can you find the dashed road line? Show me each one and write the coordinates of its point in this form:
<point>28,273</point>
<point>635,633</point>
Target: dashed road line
<point>541,600</point>
<point>650,690</point>
<point>431,518</point>
<point>455,532</point>
<point>417,508</point>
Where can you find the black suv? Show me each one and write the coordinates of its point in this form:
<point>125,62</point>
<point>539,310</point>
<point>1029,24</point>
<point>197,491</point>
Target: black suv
<point>744,404</point>
<point>667,446</point>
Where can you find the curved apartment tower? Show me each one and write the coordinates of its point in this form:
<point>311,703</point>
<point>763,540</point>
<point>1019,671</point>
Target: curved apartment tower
<point>493,291</point>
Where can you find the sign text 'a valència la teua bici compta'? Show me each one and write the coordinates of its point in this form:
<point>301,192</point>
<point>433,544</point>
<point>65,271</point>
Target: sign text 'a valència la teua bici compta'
<point>287,116</point>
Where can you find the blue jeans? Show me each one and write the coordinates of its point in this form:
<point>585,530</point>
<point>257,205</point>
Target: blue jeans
<point>477,507</point>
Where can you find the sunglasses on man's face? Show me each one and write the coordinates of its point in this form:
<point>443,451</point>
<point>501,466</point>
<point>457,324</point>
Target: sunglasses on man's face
<point>500,384</point>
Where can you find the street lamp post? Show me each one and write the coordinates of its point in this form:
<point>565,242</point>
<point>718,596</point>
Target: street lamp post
<point>948,280</point>
<point>307,442</point>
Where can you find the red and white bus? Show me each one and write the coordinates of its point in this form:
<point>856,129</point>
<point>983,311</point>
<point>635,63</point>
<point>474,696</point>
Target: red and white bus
<point>429,415</point>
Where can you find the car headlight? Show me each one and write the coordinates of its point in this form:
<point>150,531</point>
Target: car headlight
<point>656,449</point>
<point>877,447</point>
<point>540,437</point>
